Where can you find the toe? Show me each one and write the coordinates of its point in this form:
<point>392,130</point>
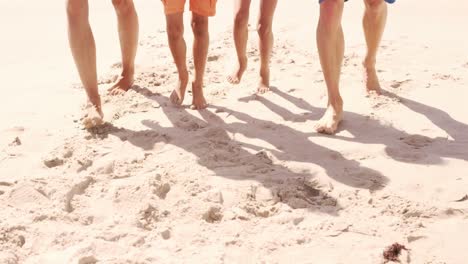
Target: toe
<point>319,128</point>
<point>232,80</point>
<point>115,91</point>
<point>262,90</point>
<point>198,106</point>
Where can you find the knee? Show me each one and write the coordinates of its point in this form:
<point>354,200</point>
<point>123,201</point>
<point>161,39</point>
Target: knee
<point>123,7</point>
<point>75,9</point>
<point>375,6</point>
<point>330,14</point>
<point>200,26</point>
<point>241,18</point>
<point>175,31</point>
<point>264,28</point>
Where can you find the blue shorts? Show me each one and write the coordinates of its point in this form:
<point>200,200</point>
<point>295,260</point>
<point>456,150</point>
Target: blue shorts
<point>388,1</point>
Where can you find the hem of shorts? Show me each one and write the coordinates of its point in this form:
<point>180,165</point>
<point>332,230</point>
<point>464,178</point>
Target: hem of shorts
<point>202,13</point>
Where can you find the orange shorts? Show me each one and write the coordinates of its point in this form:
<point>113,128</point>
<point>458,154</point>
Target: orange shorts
<point>199,7</point>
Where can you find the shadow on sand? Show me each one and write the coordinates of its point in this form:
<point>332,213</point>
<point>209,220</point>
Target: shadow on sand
<point>210,139</point>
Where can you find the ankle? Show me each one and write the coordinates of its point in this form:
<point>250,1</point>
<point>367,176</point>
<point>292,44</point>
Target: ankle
<point>197,86</point>
<point>336,102</point>
<point>128,72</point>
<point>369,63</point>
<point>265,72</point>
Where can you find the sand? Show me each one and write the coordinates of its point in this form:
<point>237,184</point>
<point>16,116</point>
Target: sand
<point>247,180</point>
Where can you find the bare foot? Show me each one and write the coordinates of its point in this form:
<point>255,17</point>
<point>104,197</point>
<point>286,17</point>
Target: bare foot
<point>93,117</point>
<point>371,80</point>
<point>240,68</point>
<point>123,84</point>
<point>264,85</point>
<point>199,101</point>
<point>329,122</point>
<point>178,95</point>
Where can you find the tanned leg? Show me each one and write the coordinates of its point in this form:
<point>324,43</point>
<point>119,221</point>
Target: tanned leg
<point>128,33</point>
<point>373,22</point>
<point>200,54</point>
<point>83,49</point>
<point>330,43</point>
<point>175,34</point>
<point>265,33</point>
<point>241,23</point>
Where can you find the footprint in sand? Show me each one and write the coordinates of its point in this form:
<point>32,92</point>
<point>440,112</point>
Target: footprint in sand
<point>413,238</point>
<point>259,209</point>
<point>405,154</point>
<point>12,237</point>
<point>213,58</point>
<point>189,124</point>
<point>411,150</point>
<point>365,178</point>
<point>84,164</point>
<point>77,189</point>
<point>444,77</point>
<point>87,260</point>
<point>302,193</point>
<point>52,162</point>
<point>148,217</point>
<point>104,166</point>
<point>260,163</point>
<point>27,197</point>
<point>397,84</point>
<point>261,201</point>
<point>58,157</point>
<point>214,196</point>
<point>265,156</point>
<point>161,189</point>
<point>380,102</point>
<point>348,59</point>
<point>8,257</point>
<point>4,186</point>
<point>213,214</point>
<point>417,141</point>
<point>150,78</point>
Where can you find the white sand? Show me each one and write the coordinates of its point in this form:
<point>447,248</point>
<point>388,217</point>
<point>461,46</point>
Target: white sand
<point>247,181</point>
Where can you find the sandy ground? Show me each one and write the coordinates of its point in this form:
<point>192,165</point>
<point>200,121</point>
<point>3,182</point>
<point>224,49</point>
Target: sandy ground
<point>246,181</point>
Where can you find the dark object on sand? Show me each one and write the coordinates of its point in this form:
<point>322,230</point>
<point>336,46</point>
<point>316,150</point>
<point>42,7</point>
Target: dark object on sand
<point>16,142</point>
<point>464,198</point>
<point>393,252</point>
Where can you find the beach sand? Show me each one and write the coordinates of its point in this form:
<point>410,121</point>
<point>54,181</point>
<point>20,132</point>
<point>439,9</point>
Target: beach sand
<point>247,180</point>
